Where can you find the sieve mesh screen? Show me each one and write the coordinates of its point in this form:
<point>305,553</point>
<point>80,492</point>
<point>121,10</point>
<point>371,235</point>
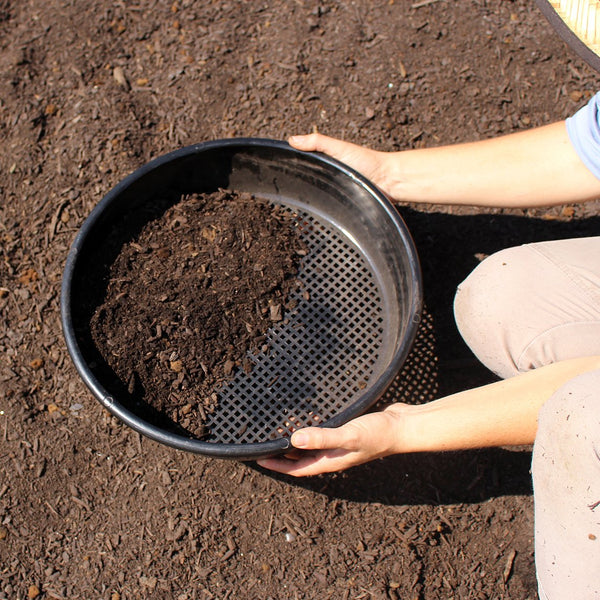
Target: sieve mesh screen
<point>322,357</point>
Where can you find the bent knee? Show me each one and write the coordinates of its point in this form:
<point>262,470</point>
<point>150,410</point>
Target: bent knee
<point>567,443</point>
<point>521,309</point>
<point>491,307</point>
<point>566,481</point>
<point>573,412</point>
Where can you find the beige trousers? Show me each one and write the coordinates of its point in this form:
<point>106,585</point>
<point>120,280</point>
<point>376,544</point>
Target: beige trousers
<point>523,308</point>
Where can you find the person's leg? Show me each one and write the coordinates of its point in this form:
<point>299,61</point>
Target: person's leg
<point>566,482</point>
<point>532,305</point>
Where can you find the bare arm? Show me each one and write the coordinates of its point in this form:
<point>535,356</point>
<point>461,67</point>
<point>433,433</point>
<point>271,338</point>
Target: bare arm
<point>538,167</point>
<point>499,414</point>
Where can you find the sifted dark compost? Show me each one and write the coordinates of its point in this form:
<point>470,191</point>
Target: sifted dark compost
<point>192,295</point>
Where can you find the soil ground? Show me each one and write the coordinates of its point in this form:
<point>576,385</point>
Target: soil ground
<point>91,90</point>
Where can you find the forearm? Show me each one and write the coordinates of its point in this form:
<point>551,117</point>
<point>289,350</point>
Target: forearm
<point>538,167</point>
<point>499,414</point>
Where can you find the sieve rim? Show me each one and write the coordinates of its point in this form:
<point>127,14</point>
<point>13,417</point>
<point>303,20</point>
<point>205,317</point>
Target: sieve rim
<point>242,451</point>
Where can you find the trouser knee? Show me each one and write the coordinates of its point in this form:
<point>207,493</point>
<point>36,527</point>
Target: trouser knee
<point>485,309</point>
<point>566,478</point>
<point>532,305</point>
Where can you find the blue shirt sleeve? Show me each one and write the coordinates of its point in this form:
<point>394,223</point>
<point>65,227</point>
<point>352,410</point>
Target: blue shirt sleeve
<point>584,131</point>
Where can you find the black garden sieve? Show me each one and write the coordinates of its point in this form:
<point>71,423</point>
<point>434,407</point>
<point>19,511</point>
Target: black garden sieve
<point>341,347</point>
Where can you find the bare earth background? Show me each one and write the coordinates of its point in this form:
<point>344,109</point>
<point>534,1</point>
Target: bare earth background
<point>91,90</point>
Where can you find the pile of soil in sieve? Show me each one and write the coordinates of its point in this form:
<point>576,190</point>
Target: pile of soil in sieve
<point>192,295</point>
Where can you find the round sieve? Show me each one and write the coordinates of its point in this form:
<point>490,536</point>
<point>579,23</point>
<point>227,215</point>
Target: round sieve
<point>356,312</point>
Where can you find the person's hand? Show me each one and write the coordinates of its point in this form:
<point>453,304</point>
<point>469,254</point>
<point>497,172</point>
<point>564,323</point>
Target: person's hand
<point>374,165</point>
<point>325,450</point>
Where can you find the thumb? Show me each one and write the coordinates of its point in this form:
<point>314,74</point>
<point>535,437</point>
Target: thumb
<point>309,142</point>
<point>317,142</point>
<point>320,438</point>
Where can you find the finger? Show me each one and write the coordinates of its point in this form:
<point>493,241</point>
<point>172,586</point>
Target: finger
<point>283,465</point>
<point>307,466</point>
<point>293,455</point>
<point>309,143</point>
<point>317,142</point>
<point>323,438</point>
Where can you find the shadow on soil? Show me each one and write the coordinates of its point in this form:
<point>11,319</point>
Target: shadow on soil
<point>440,364</point>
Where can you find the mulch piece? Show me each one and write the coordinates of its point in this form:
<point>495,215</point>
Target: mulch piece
<point>192,295</point>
